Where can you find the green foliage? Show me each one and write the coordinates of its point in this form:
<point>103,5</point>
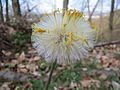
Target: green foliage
<point>113,78</point>
<point>0,83</point>
<point>44,65</point>
<point>58,84</point>
<point>10,65</point>
<point>91,63</point>
<point>37,84</point>
<point>20,38</point>
<point>92,87</point>
<point>103,87</point>
<point>117,55</point>
<point>65,78</point>
<point>69,75</point>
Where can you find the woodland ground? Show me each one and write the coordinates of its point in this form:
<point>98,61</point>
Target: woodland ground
<point>100,71</point>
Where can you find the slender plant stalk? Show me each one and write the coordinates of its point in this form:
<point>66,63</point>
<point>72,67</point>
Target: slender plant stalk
<point>50,75</point>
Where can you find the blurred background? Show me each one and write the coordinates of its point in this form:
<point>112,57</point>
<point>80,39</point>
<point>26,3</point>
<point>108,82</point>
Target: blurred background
<point>103,13</point>
<point>19,60</point>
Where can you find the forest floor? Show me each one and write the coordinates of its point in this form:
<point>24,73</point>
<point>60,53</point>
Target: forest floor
<point>22,69</point>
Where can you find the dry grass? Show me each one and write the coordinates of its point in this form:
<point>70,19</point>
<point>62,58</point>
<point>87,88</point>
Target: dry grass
<point>103,27</point>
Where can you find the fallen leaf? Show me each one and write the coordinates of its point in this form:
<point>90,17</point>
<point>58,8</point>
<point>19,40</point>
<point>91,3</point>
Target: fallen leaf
<point>21,57</point>
<point>26,86</point>
<point>36,58</point>
<point>85,83</point>
<point>32,67</point>
<point>84,69</point>
<point>36,74</point>
<point>73,84</point>
<point>104,57</point>
<point>21,66</point>
<point>7,53</point>
<point>96,82</point>
<point>14,61</point>
<point>103,76</point>
<point>4,87</point>
<point>23,70</point>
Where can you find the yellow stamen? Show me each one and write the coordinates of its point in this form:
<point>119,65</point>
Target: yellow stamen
<point>65,25</point>
<point>71,36</point>
<point>40,31</point>
<point>93,26</point>
<point>69,42</point>
<point>82,39</point>
<point>35,27</point>
<point>96,30</point>
<point>74,14</point>
<point>56,12</point>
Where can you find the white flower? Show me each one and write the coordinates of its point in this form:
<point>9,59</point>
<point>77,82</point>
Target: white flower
<point>63,35</point>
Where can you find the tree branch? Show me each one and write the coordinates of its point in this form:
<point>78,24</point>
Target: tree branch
<point>106,72</point>
<point>107,43</point>
<point>13,76</point>
<point>91,14</point>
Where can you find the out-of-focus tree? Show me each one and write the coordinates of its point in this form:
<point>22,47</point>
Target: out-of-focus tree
<point>1,12</point>
<point>101,17</point>
<point>7,11</point>
<point>91,13</point>
<point>117,4</point>
<point>16,8</point>
<point>65,4</point>
<point>111,18</point>
<point>88,5</point>
<point>116,20</point>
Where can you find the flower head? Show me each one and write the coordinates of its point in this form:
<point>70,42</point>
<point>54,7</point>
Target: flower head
<point>63,35</point>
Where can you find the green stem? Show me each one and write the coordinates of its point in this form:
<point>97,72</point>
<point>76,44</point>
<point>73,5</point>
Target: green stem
<point>50,75</point>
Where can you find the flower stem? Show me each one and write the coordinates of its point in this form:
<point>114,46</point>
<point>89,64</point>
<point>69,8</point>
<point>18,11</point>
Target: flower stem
<point>50,75</point>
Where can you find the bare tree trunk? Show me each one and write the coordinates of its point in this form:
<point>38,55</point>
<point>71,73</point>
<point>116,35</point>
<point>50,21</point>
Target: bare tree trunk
<point>88,5</point>
<point>117,4</point>
<point>91,14</point>
<point>1,12</point>
<point>111,18</point>
<point>16,8</point>
<point>101,20</point>
<point>83,6</point>
<point>7,13</point>
<point>65,4</point>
